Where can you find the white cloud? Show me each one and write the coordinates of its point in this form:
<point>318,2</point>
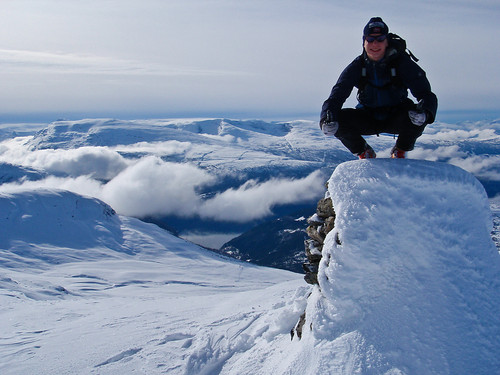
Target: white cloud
<point>482,166</point>
<point>143,184</point>
<point>462,144</point>
<point>452,135</point>
<point>154,187</point>
<point>98,162</point>
<point>255,200</point>
<point>439,153</point>
<point>66,63</point>
<point>151,187</point>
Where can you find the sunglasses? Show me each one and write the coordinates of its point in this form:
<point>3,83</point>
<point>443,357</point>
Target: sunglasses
<point>371,39</point>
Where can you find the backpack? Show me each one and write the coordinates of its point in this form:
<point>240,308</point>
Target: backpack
<point>400,45</point>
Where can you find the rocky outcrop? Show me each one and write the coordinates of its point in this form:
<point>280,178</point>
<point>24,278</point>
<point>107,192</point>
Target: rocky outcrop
<point>320,224</point>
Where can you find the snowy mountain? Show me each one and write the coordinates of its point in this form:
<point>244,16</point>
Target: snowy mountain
<point>408,284</point>
<point>201,177</point>
<point>211,180</point>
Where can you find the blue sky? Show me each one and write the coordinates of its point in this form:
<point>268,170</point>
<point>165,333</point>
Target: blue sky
<point>248,59</point>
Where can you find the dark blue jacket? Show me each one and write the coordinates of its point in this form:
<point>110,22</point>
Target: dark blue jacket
<point>382,85</point>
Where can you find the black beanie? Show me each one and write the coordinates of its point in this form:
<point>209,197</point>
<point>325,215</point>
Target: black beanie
<point>375,26</point>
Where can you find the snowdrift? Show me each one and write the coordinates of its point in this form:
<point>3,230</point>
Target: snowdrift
<point>409,282</point>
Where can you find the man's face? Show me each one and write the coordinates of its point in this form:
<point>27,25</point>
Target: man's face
<point>374,48</point>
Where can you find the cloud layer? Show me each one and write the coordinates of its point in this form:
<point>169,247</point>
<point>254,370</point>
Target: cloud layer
<point>149,186</point>
<point>255,200</point>
<point>141,179</point>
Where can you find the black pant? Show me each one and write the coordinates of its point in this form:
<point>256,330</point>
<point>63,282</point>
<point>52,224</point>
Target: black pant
<point>353,123</point>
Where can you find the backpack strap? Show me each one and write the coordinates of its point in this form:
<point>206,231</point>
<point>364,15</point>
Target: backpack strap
<point>363,81</point>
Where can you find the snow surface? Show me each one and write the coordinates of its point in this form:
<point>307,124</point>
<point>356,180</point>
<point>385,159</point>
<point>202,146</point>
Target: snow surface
<point>409,284</point>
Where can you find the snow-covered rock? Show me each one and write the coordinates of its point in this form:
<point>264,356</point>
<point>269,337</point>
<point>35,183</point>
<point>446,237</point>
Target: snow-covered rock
<point>409,282</point>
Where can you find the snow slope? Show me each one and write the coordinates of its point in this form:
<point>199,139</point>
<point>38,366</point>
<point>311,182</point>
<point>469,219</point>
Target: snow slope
<point>83,290</point>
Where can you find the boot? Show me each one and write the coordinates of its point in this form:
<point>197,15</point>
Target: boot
<point>368,153</point>
<point>397,153</point>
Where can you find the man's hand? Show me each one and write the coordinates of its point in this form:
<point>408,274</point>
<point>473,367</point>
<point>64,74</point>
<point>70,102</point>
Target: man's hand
<point>417,118</point>
<point>328,126</point>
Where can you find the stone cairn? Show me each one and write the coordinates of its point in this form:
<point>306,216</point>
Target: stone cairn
<point>319,225</point>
